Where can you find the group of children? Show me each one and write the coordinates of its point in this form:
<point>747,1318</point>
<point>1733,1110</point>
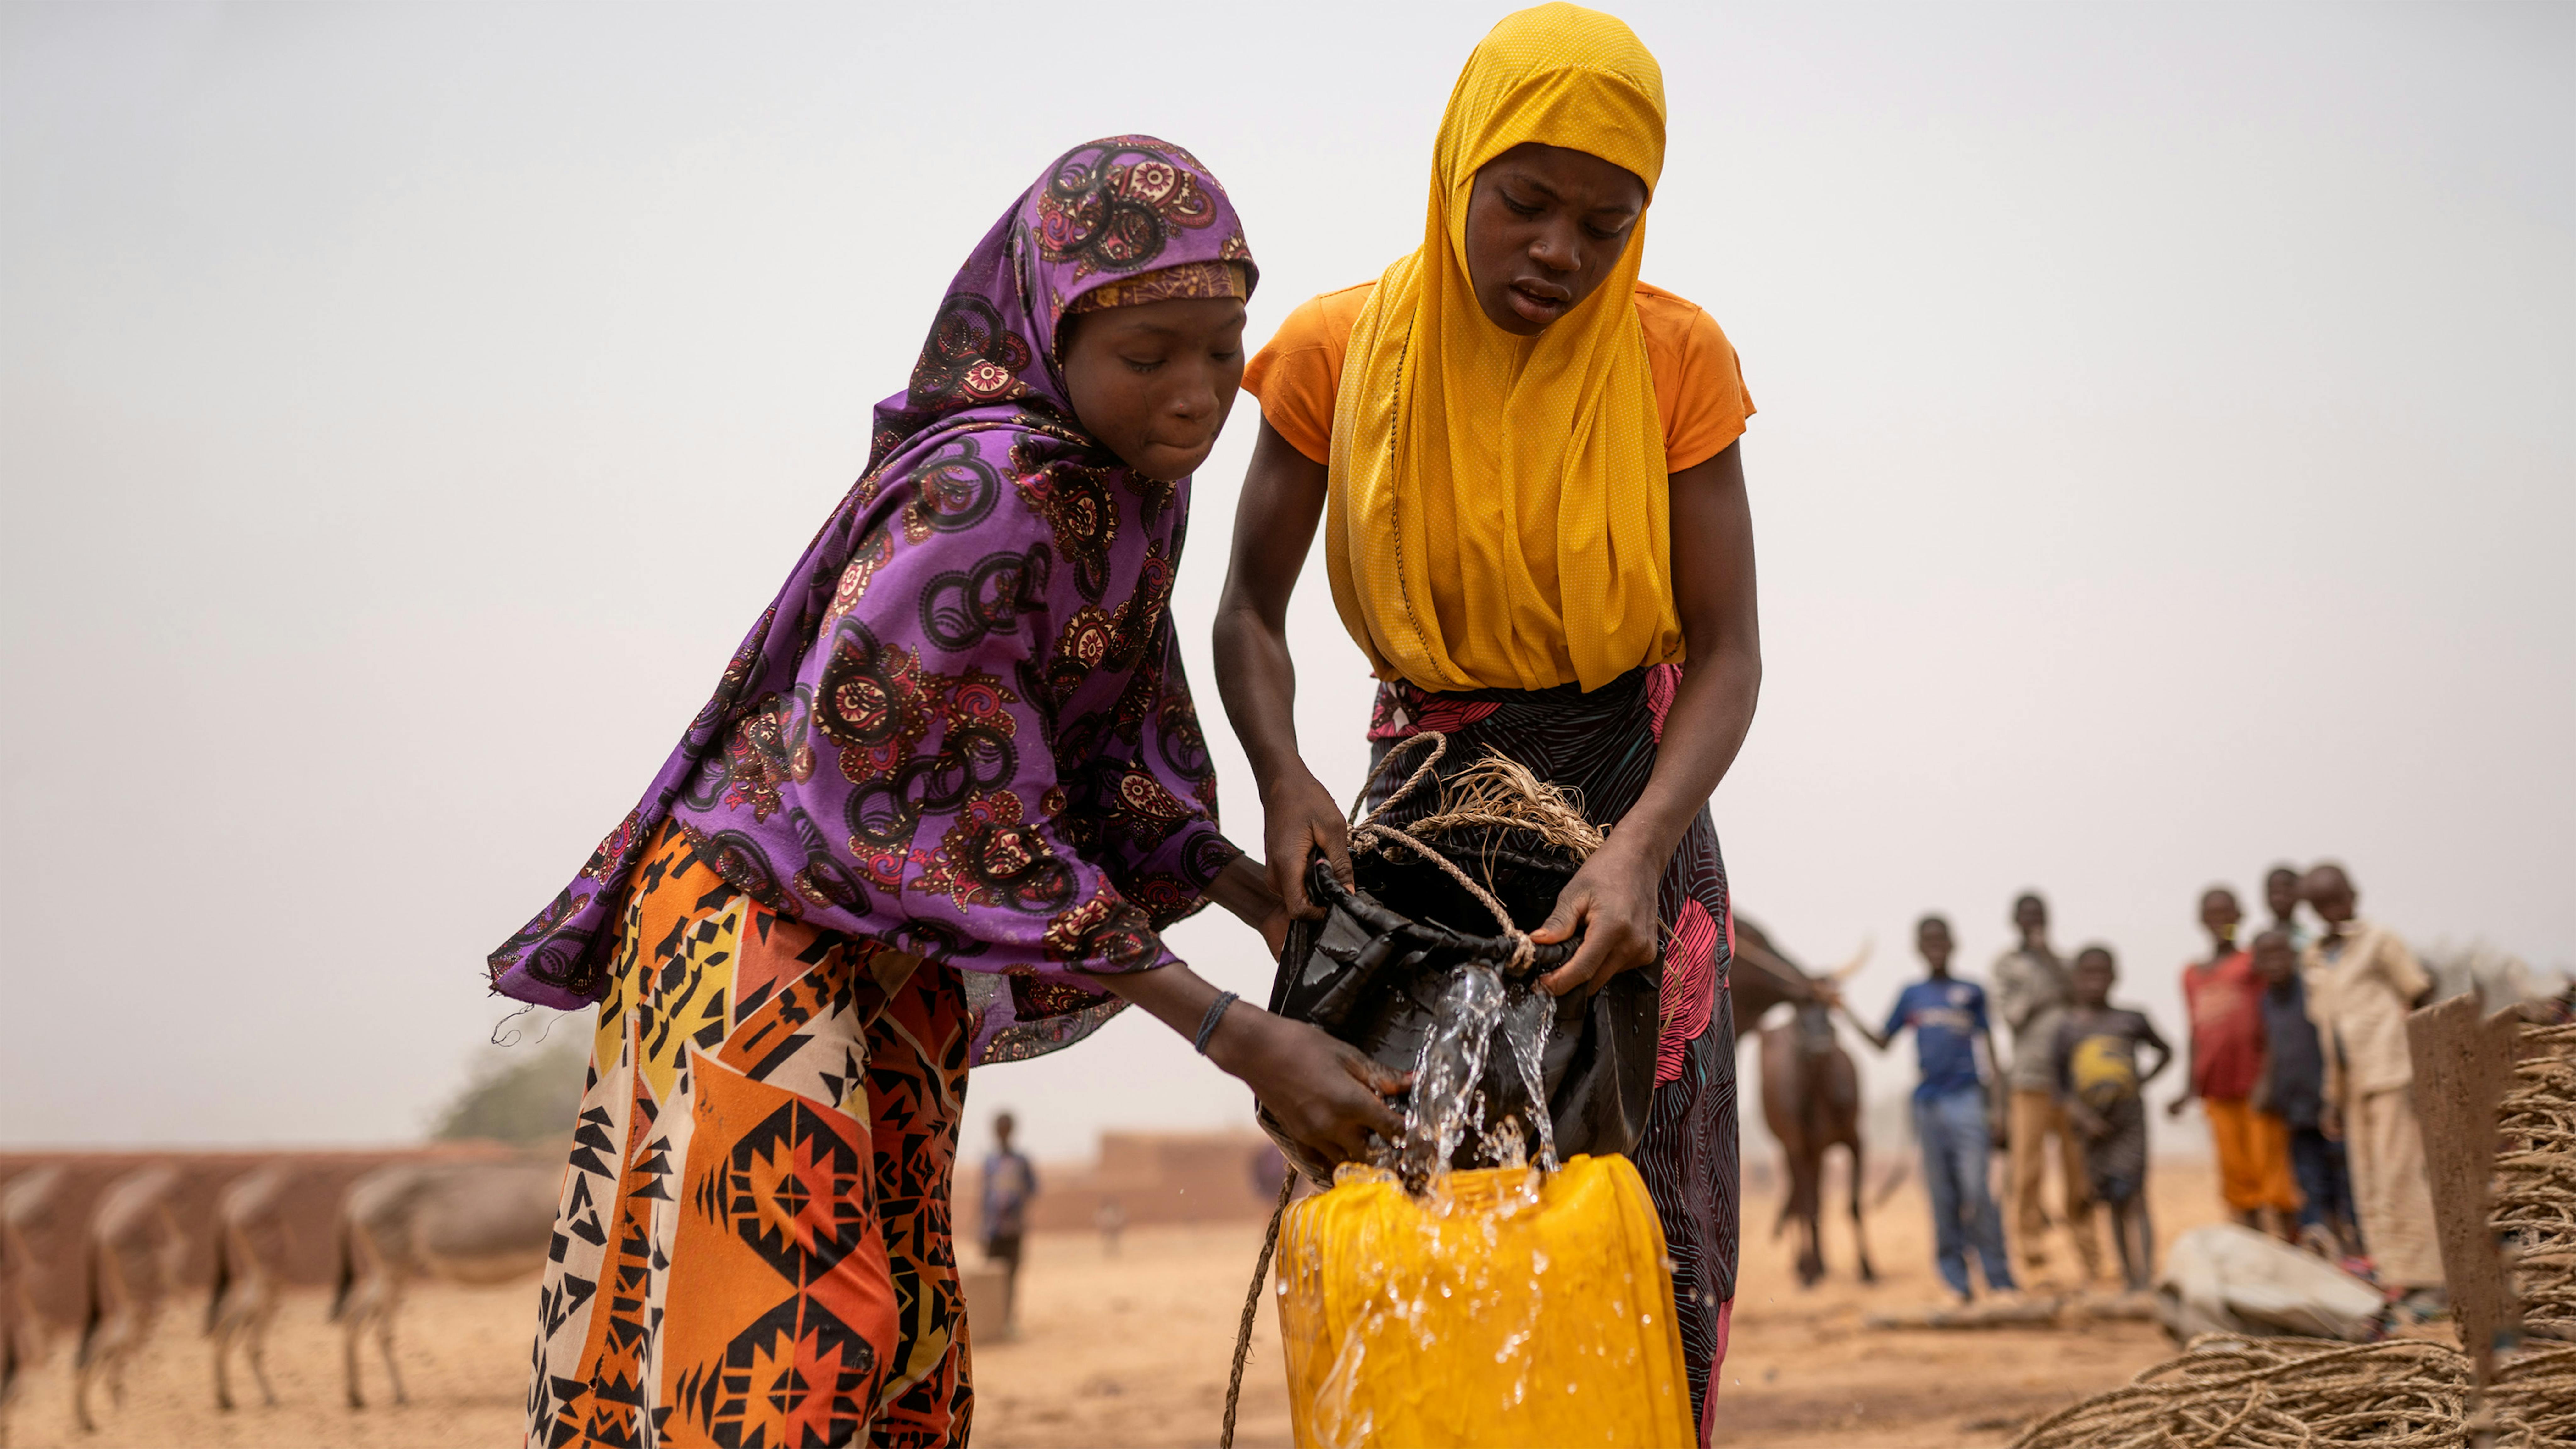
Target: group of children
<point>2296,1052</point>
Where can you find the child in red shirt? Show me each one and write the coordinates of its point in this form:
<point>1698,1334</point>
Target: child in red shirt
<point>2225,997</point>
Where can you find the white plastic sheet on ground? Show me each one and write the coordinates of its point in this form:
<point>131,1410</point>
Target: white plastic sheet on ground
<point>2232,1279</point>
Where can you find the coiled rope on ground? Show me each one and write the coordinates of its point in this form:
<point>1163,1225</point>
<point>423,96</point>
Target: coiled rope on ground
<point>2535,1213</point>
<point>2535,1180</point>
<point>2276,1393</point>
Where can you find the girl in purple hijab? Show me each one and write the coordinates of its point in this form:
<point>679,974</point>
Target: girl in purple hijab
<point>939,809</point>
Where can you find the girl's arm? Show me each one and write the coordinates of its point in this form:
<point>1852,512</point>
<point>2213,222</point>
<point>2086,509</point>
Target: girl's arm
<point>1324,1092</point>
<point>1613,898</point>
<point>1274,524</point>
<point>1243,887</point>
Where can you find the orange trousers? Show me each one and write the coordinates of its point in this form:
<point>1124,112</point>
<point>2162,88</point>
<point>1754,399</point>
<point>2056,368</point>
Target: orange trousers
<point>2253,1155</point>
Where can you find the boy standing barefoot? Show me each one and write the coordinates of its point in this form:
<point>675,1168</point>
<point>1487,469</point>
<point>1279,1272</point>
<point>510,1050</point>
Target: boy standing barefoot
<point>2361,982</point>
<point>1950,1121</point>
<point>2103,1091</point>
<point>2294,1089</point>
<point>2225,1000</point>
<point>2031,991</point>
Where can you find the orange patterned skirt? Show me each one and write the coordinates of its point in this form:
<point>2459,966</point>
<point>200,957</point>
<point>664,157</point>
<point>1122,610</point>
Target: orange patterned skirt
<point>753,1244</point>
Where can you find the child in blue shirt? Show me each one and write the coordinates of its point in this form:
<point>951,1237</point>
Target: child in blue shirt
<point>1948,1016</point>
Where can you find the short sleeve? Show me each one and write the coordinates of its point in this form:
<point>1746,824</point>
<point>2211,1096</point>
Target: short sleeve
<point>1977,1008</point>
<point>1896,1014</point>
<point>2405,974</point>
<point>1700,395</point>
<point>1298,377</point>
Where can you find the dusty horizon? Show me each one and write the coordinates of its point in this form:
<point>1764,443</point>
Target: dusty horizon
<point>2161,471</point>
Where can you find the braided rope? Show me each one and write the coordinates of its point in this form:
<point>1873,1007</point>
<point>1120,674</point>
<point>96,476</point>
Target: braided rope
<point>2535,1179</point>
<point>1252,1309</point>
<point>2535,1399</point>
<point>2276,1393</point>
<point>2535,1208</point>
<point>1368,834</point>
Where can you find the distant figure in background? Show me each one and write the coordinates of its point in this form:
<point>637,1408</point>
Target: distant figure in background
<point>1009,1182</point>
<point>2031,991</point>
<point>2293,1088</point>
<point>2224,997</point>
<point>2281,892</point>
<point>2104,1093</point>
<point>1270,1170</point>
<point>1111,1218</point>
<point>2361,982</point>
<point>1950,1116</point>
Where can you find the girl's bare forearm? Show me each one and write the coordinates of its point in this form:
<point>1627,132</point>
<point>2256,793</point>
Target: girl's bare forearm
<point>1243,888</point>
<point>1711,714</point>
<point>1257,680</point>
<point>1174,995</point>
<point>1719,607</point>
<point>1179,998</point>
<point>1274,525</point>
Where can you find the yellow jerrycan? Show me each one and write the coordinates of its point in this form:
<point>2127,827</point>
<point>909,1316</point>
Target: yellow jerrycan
<point>1507,1307</point>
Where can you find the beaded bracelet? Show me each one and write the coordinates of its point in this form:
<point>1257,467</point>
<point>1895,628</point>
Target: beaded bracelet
<point>1215,1014</point>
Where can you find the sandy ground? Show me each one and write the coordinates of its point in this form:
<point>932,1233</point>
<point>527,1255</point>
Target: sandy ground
<point>1132,1350</point>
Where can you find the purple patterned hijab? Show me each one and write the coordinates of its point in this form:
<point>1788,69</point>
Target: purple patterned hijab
<point>962,728</point>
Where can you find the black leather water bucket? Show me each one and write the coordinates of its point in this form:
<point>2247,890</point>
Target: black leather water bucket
<point>1372,973</point>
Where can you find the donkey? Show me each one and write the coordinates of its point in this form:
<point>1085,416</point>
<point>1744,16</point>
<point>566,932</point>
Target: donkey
<point>130,1263</point>
<point>27,1205</point>
<point>1811,1101</point>
<point>467,1222</point>
<point>245,1295</point>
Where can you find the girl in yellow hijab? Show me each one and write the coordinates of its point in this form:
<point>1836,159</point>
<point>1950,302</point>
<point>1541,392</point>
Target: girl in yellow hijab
<point>1524,460</point>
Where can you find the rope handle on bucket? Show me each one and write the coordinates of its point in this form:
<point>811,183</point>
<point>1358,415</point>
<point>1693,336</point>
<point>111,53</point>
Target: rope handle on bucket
<point>1367,832</point>
<point>1502,950</point>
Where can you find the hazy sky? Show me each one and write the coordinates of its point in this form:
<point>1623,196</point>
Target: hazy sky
<point>2163,468</point>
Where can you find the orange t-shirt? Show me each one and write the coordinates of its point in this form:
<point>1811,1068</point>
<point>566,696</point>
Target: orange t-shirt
<point>1699,389</point>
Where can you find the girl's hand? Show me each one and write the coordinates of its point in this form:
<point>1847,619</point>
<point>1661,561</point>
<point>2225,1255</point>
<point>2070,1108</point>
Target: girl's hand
<point>1321,1091</point>
<point>1298,818</point>
<point>1612,899</point>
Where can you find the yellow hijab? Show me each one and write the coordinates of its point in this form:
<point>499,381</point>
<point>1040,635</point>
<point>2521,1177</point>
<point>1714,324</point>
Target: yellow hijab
<point>1497,515</point>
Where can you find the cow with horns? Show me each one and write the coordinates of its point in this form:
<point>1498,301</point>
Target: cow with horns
<point>1810,1087</point>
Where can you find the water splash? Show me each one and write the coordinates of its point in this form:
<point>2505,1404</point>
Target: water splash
<point>1447,1069</point>
<point>1505,1145</point>
<point>1527,1020</point>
